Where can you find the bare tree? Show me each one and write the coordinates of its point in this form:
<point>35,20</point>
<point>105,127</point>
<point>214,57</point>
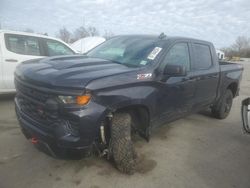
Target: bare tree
<point>80,32</point>
<point>93,31</point>
<point>64,35</point>
<point>229,52</point>
<point>241,43</point>
<point>108,34</point>
<point>241,48</point>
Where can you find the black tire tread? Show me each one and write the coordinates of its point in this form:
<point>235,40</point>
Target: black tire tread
<point>217,110</point>
<point>122,147</point>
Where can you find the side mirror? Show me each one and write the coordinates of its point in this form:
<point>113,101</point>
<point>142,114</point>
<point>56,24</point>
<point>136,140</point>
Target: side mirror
<point>175,70</point>
<point>245,113</point>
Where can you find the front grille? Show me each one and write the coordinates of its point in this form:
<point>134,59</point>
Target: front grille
<point>32,104</point>
<point>37,112</point>
<point>32,93</point>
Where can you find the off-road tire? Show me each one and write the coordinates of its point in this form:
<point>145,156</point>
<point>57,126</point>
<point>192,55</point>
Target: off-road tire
<point>121,144</point>
<point>222,109</point>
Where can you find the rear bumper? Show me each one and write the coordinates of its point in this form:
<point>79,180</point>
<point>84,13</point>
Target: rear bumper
<point>57,139</point>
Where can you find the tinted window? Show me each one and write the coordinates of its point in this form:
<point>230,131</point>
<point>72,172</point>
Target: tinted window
<point>177,55</point>
<point>203,59</point>
<point>57,48</point>
<point>22,44</point>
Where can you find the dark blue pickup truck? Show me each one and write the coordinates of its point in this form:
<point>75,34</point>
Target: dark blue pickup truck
<point>127,85</point>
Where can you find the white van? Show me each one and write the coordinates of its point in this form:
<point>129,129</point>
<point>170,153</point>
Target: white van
<point>16,47</point>
<point>84,45</point>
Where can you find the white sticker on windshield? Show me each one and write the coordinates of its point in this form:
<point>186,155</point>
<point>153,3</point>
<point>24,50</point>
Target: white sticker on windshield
<point>154,53</point>
<point>144,76</point>
<point>143,62</point>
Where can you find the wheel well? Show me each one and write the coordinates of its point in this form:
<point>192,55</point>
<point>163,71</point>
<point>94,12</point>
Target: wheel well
<point>139,114</point>
<point>233,87</point>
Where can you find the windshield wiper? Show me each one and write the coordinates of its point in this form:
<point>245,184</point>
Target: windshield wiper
<point>130,65</point>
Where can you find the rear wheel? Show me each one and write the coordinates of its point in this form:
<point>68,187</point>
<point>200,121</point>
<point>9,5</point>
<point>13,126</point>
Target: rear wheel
<point>121,144</point>
<point>222,109</point>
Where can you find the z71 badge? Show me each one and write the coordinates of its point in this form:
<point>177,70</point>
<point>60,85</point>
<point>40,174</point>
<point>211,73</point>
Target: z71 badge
<point>144,76</point>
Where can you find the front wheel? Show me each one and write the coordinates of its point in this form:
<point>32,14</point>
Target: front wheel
<point>222,109</point>
<point>121,144</point>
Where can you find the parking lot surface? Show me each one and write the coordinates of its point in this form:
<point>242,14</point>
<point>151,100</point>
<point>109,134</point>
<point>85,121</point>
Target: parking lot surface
<point>196,151</point>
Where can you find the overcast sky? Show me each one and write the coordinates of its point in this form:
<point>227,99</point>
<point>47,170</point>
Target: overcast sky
<point>219,21</point>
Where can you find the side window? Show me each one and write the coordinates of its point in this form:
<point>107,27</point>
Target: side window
<point>57,48</point>
<point>203,58</point>
<point>21,44</point>
<point>177,55</point>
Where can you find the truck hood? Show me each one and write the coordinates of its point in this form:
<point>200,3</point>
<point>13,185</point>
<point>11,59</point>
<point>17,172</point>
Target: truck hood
<point>68,72</point>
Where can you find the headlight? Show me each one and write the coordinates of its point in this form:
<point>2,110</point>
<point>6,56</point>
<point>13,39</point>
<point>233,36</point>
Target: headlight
<point>80,100</point>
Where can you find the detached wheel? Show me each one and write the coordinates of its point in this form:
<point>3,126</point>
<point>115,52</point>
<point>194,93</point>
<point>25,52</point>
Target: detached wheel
<point>121,144</point>
<point>222,109</point>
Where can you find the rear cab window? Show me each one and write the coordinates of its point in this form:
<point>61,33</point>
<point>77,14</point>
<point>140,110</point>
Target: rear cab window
<point>55,48</point>
<point>22,44</point>
<point>203,56</point>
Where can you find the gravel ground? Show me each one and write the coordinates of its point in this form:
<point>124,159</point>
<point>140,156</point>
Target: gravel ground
<point>197,151</point>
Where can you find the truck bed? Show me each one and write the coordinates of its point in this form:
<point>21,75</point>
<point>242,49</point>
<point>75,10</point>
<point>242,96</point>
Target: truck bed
<point>229,66</point>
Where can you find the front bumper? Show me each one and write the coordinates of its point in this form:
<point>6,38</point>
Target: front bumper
<point>58,139</point>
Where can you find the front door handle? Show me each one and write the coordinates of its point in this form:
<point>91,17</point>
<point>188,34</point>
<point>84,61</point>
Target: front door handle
<point>11,60</point>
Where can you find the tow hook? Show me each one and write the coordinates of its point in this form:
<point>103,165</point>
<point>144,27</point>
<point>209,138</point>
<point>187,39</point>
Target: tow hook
<point>34,140</point>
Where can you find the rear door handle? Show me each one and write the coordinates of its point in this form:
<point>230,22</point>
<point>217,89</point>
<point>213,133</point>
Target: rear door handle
<point>11,60</point>
<point>194,78</point>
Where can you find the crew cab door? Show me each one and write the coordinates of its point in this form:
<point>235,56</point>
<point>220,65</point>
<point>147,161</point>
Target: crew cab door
<point>175,92</point>
<point>205,75</point>
<point>16,49</point>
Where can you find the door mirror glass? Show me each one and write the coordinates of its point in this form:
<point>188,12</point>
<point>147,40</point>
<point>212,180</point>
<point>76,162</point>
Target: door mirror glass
<point>245,112</point>
<point>175,70</point>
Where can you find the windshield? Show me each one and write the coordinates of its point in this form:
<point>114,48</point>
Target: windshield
<point>129,51</point>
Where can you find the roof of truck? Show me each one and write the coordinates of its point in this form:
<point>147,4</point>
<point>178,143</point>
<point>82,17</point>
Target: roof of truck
<point>164,38</point>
